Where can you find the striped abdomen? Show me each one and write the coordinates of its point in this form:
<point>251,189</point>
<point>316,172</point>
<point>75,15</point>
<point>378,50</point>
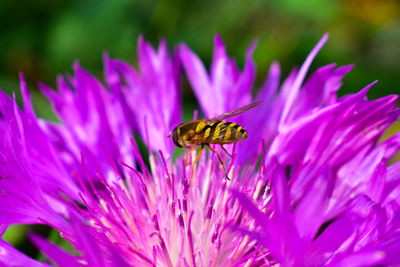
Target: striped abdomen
<point>221,132</point>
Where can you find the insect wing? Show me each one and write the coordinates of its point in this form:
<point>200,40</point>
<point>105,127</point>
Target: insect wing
<point>235,112</point>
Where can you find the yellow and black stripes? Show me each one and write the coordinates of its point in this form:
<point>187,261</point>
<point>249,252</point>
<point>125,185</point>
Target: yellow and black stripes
<point>239,130</point>
<point>209,130</point>
<point>223,131</point>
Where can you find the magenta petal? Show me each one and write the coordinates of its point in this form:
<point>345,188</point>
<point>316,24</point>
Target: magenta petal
<point>314,129</point>
<point>246,79</point>
<point>370,222</point>
<point>263,117</point>
<point>9,256</point>
<point>268,236</point>
<point>25,95</point>
<point>148,61</point>
<point>377,182</point>
<point>280,192</point>
<point>320,89</point>
<point>259,217</point>
<point>198,77</point>
<point>290,98</point>
<point>309,214</point>
<point>28,161</point>
<point>330,240</point>
<point>149,99</point>
<point>312,184</point>
<point>390,245</point>
<point>392,186</point>
<point>85,243</point>
<point>362,258</point>
<point>219,55</point>
<point>3,228</point>
<point>334,236</point>
<point>55,253</point>
<point>291,245</point>
<point>93,120</point>
<point>392,145</point>
<point>120,76</point>
<point>270,86</point>
<point>224,79</point>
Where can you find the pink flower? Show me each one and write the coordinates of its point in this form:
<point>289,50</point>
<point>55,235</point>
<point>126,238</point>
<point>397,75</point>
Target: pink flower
<point>310,186</point>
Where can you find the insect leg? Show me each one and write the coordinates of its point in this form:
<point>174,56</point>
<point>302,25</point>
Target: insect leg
<point>223,148</point>
<point>220,160</point>
<point>198,155</point>
<point>191,149</point>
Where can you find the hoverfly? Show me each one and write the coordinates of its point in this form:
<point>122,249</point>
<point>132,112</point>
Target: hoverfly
<point>211,131</point>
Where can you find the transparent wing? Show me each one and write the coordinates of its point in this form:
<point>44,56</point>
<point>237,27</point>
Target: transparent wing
<point>234,112</point>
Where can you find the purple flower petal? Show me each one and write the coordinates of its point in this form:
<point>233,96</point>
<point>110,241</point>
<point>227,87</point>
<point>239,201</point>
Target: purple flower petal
<point>311,185</point>
<point>224,79</point>
<point>330,240</point>
<point>9,256</point>
<point>309,214</point>
<point>150,100</point>
<point>93,119</point>
<point>290,98</point>
<point>362,258</point>
<point>199,80</point>
<point>58,256</point>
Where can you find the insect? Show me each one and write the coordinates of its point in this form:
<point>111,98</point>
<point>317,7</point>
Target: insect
<point>211,131</point>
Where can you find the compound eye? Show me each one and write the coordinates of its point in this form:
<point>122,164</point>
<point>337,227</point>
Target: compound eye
<point>175,137</point>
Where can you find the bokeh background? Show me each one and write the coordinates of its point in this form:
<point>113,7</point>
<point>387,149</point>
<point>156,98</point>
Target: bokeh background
<point>42,38</point>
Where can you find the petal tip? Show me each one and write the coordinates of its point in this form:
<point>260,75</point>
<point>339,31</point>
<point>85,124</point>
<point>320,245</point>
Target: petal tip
<point>325,37</point>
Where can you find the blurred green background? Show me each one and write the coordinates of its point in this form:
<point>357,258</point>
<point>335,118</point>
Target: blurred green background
<point>42,38</point>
